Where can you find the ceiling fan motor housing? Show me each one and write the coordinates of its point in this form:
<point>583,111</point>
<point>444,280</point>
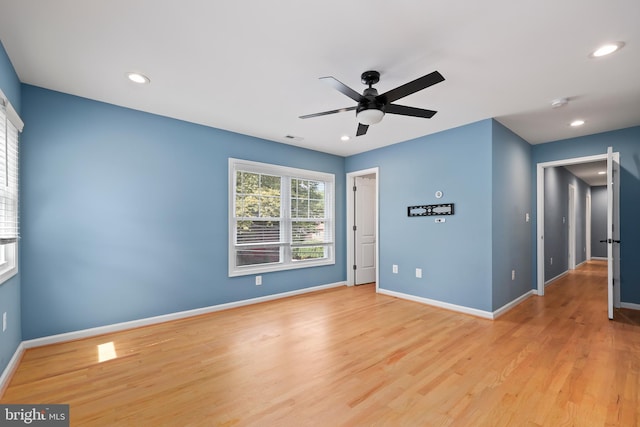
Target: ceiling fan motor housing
<point>370,100</point>
<point>370,77</point>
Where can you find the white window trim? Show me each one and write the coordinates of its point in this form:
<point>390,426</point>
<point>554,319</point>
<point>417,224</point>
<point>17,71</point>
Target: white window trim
<point>289,172</point>
<point>9,266</point>
<point>12,115</point>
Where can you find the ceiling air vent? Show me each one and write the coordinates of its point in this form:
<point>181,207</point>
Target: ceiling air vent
<point>293,138</point>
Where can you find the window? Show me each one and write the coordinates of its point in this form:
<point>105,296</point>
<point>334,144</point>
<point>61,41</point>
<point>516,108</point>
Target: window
<point>8,189</point>
<point>280,218</point>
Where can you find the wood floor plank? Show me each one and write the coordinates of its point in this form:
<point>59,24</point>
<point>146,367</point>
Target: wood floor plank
<point>351,357</point>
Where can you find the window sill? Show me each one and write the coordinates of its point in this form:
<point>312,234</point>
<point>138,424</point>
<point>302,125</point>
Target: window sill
<point>7,272</point>
<point>268,268</point>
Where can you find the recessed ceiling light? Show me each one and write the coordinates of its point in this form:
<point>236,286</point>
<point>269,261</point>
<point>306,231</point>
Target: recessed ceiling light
<point>602,173</point>
<point>345,137</point>
<point>577,123</point>
<point>606,49</point>
<point>138,78</point>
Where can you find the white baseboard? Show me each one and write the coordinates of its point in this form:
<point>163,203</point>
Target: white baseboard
<point>85,333</point>
<point>460,308</point>
<point>548,282</point>
<point>11,367</point>
<point>630,305</point>
<point>599,258</point>
<point>100,330</point>
<point>440,304</point>
<point>502,310</point>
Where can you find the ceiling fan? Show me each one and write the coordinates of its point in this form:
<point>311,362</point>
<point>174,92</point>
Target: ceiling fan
<point>372,107</point>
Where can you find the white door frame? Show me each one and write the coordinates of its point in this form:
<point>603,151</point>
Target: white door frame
<point>571,224</point>
<point>350,223</point>
<point>587,233</point>
<point>540,207</point>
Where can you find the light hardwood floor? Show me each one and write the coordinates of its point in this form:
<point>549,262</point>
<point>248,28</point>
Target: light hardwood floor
<point>350,357</point>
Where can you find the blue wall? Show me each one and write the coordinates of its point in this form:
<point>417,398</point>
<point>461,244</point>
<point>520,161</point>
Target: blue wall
<point>627,143</point>
<point>125,214</point>
<point>511,201</point>
<point>9,82</point>
<point>9,290</point>
<point>455,256</point>
<point>598,221</point>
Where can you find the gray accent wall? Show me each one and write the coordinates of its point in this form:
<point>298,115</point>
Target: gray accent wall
<point>556,220</point>
<point>598,221</point>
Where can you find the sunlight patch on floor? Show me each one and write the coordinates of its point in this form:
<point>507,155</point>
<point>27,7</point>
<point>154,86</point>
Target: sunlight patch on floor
<point>106,351</point>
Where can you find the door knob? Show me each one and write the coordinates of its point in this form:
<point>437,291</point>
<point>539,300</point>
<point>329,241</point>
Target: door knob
<point>609,241</point>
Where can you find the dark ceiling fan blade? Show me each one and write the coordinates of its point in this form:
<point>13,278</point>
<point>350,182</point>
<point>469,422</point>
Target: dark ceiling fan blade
<point>342,88</point>
<point>324,113</point>
<point>362,129</point>
<point>412,87</point>
<point>409,111</point>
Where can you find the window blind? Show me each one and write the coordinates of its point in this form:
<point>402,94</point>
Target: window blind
<point>9,228</point>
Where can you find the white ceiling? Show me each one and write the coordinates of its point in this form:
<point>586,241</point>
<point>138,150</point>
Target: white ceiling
<point>252,66</point>
<point>590,172</point>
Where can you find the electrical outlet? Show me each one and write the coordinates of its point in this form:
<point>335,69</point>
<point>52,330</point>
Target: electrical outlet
<point>395,269</point>
<point>4,321</point>
<point>419,273</point>
<point>551,261</point>
<point>526,217</point>
<point>258,280</point>
<point>513,275</point>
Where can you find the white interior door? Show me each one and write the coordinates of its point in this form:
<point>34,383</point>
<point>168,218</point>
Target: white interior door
<point>365,230</point>
<point>613,231</point>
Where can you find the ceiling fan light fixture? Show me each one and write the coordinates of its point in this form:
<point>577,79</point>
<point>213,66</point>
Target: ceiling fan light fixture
<point>370,116</point>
